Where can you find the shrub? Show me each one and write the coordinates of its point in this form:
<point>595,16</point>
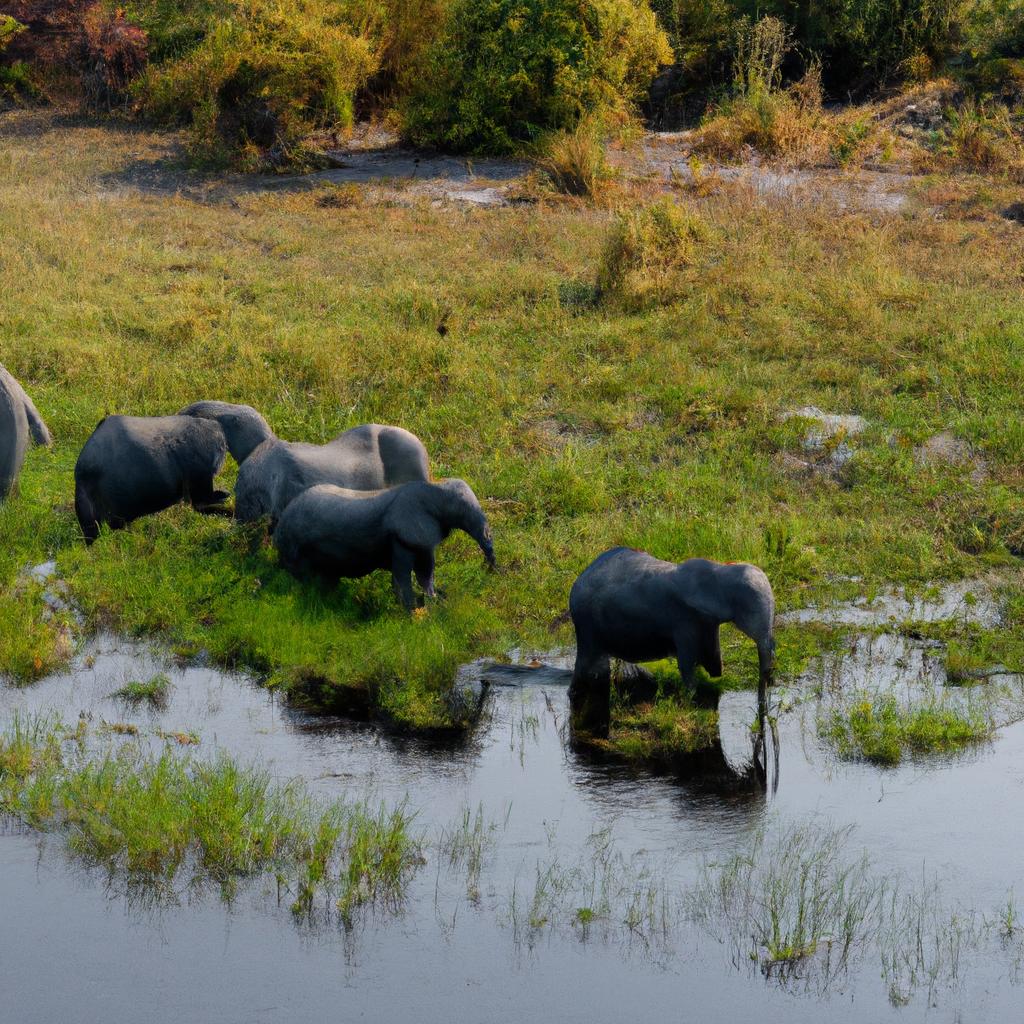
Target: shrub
<point>504,72</point>
<point>649,252</point>
<point>263,76</point>
<point>862,42</point>
<point>575,161</point>
<point>9,28</point>
<point>112,54</point>
<point>399,32</point>
<point>982,137</point>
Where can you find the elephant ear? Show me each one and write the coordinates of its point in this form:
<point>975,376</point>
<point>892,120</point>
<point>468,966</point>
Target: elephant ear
<point>415,527</point>
<point>710,655</point>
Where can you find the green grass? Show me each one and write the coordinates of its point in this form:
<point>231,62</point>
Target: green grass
<point>155,691</point>
<point>662,732</point>
<point>158,819</point>
<point>881,730</point>
<point>579,426</point>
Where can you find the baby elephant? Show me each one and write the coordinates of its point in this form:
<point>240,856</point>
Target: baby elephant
<point>628,605</point>
<point>133,466</point>
<point>331,532</point>
<point>20,423</point>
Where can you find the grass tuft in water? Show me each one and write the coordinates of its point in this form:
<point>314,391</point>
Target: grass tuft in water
<point>881,730</point>
<point>155,691</point>
<point>154,819</point>
<point>789,896</point>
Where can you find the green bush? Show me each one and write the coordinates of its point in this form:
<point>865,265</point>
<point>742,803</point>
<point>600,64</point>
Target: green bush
<point>9,28</point>
<point>253,76</point>
<point>14,77</point>
<point>504,72</point>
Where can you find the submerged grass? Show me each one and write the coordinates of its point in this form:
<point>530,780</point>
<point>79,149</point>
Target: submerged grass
<point>879,728</point>
<point>159,819</point>
<point>805,908</point>
<point>652,424</point>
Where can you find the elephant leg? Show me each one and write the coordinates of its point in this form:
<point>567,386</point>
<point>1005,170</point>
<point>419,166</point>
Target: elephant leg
<point>86,512</point>
<point>204,497</point>
<point>403,562</point>
<point>425,573</point>
<point>692,641</point>
<point>635,684</point>
<point>711,649</point>
<point>689,648</point>
<point>590,690</point>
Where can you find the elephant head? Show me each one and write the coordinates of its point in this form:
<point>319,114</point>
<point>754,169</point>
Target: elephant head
<point>461,510</point>
<point>244,428</point>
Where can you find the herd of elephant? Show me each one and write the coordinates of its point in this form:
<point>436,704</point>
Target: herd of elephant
<point>366,501</point>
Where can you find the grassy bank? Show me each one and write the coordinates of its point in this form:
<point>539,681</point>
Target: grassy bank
<point>580,425</point>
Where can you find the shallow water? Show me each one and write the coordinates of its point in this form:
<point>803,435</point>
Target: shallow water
<point>75,946</point>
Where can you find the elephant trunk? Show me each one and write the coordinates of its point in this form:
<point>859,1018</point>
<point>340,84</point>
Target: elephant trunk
<point>485,540</point>
<point>766,664</point>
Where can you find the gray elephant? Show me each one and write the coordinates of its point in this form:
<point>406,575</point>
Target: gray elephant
<point>629,605</point>
<point>244,428</point>
<point>331,532</point>
<point>366,458</point>
<point>133,466</point>
<point>20,424</point>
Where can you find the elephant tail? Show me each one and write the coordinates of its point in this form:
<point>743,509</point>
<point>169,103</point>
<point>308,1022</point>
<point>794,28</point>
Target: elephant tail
<point>86,512</point>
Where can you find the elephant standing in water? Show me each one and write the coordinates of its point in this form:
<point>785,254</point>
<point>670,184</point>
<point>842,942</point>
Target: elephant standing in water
<point>330,532</point>
<point>628,605</point>
<point>20,424</point>
<point>133,466</point>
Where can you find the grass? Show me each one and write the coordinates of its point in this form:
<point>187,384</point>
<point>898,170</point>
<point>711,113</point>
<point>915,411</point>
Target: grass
<point>806,909</point>
<point>165,819</point>
<point>575,162</point>
<point>466,843</point>
<point>880,729</point>
<point>792,896</point>
<point>154,692</point>
<point>663,732</point>
<point>667,433</point>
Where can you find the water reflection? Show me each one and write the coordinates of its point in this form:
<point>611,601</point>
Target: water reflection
<point>585,874</point>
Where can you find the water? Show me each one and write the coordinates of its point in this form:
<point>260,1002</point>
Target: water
<point>75,945</point>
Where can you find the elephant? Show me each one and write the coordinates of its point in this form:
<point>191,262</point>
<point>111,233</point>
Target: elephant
<point>20,424</point>
<point>629,605</point>
<point>244,428</point>
<point>133,466</point>
<point>332,532</point>
<point>370,457</point>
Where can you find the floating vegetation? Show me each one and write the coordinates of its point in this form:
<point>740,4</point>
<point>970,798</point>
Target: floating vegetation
<point>878,728</point>
<point>157,819</point>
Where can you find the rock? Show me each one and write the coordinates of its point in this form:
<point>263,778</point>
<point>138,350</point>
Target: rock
<point>825,442</point>
<point>947,449</point>
<point>828,424</point>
